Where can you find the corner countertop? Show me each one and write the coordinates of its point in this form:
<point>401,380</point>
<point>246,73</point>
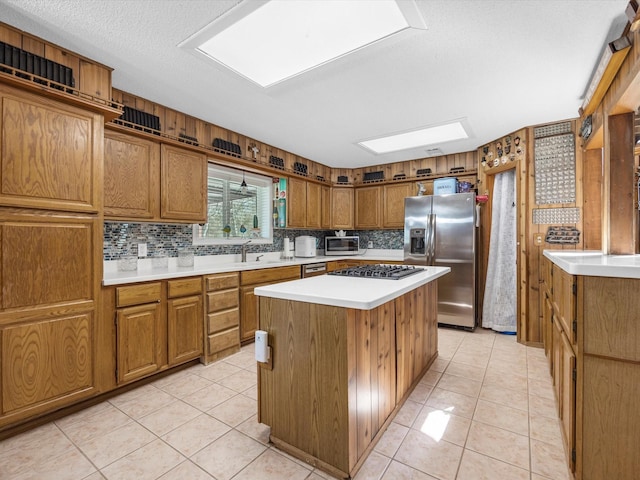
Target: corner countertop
<point>349,292</point>
<point>594,263</point>
<point>204,265</point>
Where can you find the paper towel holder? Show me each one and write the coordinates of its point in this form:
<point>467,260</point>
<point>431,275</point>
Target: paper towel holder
<point>263,352</point>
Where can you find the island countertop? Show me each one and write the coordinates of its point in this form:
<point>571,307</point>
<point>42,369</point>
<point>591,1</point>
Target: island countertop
<point>349,292</point>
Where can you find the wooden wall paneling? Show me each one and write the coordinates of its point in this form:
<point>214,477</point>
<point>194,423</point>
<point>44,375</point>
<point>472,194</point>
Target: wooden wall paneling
<point>64,58</point>
<point>623,224</point>
<point>93,79</point>
<point>117,95</point>
<point>171,123</point>
<point>181,124</point>
<point>10,35</point>
<point>34,46</point>
<point>190,128</point>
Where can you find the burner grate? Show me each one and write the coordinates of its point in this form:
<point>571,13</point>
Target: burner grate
<point>382,271</point>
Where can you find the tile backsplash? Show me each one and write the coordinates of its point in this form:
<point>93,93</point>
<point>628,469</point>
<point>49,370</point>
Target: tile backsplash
<point>123,238</point>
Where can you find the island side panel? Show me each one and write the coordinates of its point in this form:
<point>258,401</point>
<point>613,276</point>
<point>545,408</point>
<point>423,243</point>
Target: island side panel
<point>375,371</point>
<point>304,398</point>
<point>416,336</point>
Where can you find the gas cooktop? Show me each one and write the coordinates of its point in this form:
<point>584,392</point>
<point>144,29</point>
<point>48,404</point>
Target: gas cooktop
<point>382,271</point>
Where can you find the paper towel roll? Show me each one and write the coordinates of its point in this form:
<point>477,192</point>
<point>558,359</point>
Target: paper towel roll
<point>286,251</point>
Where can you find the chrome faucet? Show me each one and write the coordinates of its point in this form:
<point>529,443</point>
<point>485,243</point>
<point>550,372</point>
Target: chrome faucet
<point>243,251</point>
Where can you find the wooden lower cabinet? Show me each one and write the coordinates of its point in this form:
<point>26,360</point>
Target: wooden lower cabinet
<point>222,322</point>
<point>251,279</point>
<point>184,321</point>
<point>594,355</point>
<point>158,325</point>
<point>140,331</point>
<point>139,342</point>
<point>49,320</point>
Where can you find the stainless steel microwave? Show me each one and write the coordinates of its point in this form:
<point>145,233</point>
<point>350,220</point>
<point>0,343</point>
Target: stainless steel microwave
<point>342,245</point>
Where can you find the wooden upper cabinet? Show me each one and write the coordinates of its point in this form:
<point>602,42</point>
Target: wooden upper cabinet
<point>184,185</point>
<point>131,177</point>
<point>296,203</point>
<point>368,201</point>
<point>325,207</point>
<point>314,205</point>
<point>342,207</point>
<point>393,204</point>
<point>51,154</point>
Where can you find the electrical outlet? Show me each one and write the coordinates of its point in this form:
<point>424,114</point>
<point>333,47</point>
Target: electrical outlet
<point>537,239</point>
<point>369,244</point>
<point>142,250</point>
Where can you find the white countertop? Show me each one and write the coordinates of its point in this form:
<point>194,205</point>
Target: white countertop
<point>349,292</point>
<point>204,265</point>
<point>595,264</point>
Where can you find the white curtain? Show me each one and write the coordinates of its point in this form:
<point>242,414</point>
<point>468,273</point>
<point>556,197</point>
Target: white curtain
<point>499,306</point>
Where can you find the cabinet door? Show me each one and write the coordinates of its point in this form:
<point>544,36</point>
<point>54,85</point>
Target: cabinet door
<point>131,177</point>
<point>139,341</point>
<point>557,361</point>
<point>46,363</point>
<point>567,398</point>
<point>547,328</point>
<point>368,200</point>
<point>296,203</point>
<point>183,193</point>
<point>185,323</point>
<point>393,204</point>
<point>325,208</point>
<point>51,154</point>
<point>248,313</point>
<point>342,208</point>
<point>314,205</point>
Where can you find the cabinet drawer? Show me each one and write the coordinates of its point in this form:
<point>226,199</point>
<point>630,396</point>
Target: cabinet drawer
<point>184,286</point>
<point>138,294</point>
<point>224,300</point>
<point>219,321</point>
<point>266,275</point>
<point>223,340</point>
<point>221,281</point>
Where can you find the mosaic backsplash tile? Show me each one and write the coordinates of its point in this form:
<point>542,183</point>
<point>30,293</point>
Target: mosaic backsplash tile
<point>123,238</point>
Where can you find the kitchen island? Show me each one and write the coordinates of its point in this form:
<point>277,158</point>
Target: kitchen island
<point>345,354</point>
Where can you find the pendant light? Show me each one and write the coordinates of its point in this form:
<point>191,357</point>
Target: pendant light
<point>243,185</point>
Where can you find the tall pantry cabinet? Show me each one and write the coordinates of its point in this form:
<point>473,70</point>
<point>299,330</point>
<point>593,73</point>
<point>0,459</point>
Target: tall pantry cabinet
<point>51,252</point>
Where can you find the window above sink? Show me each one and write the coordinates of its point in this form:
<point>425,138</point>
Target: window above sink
<point>239,208</point>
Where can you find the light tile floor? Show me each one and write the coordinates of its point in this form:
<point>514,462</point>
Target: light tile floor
<point>485,410</point>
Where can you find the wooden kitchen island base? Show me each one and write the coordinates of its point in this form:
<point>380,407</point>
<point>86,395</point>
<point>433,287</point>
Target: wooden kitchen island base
<point>339,374</point>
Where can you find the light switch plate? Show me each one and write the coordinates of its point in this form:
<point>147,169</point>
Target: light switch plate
<point>370,244</point>
<point>142,250</point>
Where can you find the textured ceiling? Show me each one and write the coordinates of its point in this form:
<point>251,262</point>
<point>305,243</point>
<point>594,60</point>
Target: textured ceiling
<point>499,64</point>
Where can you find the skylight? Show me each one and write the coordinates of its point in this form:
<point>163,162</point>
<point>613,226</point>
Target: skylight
<point>417,138</point>
<point>273,41</point>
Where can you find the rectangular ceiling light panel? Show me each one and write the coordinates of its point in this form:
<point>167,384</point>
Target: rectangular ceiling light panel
<point>273,41</point>
<point>417,138</point>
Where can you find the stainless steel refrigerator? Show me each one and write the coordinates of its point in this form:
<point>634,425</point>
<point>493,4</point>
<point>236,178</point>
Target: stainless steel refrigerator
<point>440,230</point>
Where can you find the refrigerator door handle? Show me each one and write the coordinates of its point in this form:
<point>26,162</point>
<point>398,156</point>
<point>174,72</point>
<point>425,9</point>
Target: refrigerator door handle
<point>432,240</point>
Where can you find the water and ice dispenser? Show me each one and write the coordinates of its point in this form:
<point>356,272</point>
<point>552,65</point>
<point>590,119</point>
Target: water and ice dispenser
<point>417,241</point>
